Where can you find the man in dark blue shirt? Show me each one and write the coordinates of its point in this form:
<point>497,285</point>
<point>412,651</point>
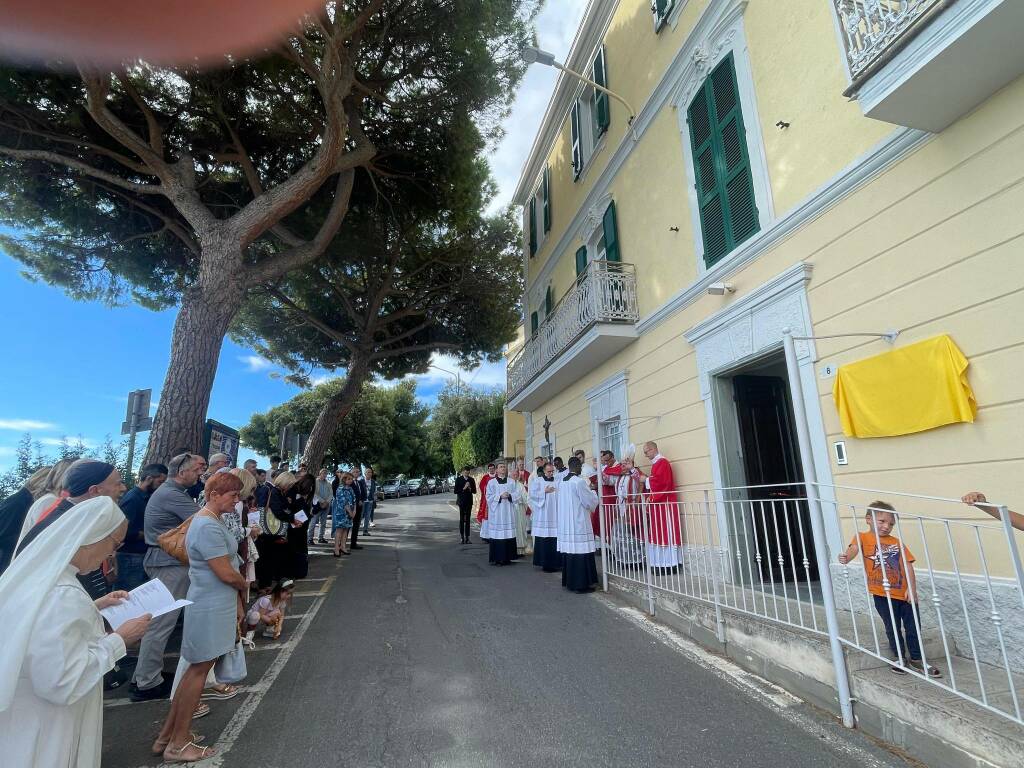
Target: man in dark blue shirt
<point>130,573</point>
<point>359,488</point>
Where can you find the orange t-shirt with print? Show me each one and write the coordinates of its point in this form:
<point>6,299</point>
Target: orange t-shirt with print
<point>891,560</point>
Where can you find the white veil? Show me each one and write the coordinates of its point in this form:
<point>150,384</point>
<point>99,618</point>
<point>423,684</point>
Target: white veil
<point>26,585</point>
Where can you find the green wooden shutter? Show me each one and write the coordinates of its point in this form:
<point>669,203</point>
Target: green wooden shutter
<point>611,234</point>
<point>602,117</point>
<point>661,9</point>
<point>549,302</point>
<point>534,324</point>
<point>546,187</point>
<point>725,187</point>
<point>577,146</point>
<point>581,260</point>
<point>533,226</point>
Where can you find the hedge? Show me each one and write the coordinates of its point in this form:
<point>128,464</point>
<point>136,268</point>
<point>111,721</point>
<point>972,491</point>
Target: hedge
<point>479,443</point>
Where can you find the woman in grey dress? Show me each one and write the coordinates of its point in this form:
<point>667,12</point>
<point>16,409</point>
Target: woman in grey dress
<point>211,622</point>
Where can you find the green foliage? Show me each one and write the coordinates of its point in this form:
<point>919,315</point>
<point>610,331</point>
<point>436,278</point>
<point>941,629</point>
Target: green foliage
<point>456,409</point>
<point>385,427</point>
<point>29,457</point>
<point>479,444</point>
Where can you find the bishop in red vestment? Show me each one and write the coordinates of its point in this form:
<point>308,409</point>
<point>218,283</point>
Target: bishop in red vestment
<point>663,539</point>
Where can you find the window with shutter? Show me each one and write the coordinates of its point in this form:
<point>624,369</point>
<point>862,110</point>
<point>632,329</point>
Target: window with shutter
<point>610,238</point>
<point>581,260</point>
<point>721,163</point>
<point>549,302</point>
<point>660,8</point>
<point>602,117</point>
<point>533,226</point>
<point>534,324</point>
<point>546,192</point>
<point>577,145</point>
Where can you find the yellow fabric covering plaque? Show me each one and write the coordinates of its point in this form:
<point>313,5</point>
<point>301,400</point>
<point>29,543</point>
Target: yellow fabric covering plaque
<point>918,387</point>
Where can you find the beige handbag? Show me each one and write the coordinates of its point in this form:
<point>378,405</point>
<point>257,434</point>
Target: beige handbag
<point>173,541</point>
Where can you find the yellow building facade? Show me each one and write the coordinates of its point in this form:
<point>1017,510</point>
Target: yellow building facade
<point>666,251</point>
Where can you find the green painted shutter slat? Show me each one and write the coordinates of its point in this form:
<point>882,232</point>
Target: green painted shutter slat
<point>661,9</point>
<point>721,161</point>
<point>611,234</point>
<point>577,148</point>
<point>533,226</point>
<point>534,324</point>
<point>546,183</point>
<point>602,115</point>
<point>549,302</point>
<point>581,260</point>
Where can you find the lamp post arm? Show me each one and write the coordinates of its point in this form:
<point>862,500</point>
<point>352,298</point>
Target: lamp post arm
<point>598,86</point>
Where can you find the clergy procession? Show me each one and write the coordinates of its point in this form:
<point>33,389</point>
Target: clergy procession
<point>566,509</point>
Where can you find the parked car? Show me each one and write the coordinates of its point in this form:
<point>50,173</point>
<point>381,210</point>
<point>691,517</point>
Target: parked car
<point>431,483</point>
<point>449,484</point>
<point>395,488</point>
<point>416,486</point>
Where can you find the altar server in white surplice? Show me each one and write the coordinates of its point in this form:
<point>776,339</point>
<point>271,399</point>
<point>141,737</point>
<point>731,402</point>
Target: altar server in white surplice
<point>55,649</point>
<point>502,498</point>
<point>544,504</point>
<point>576,500</point>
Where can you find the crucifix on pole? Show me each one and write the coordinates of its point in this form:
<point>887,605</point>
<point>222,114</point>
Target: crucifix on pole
<point>547,435</point>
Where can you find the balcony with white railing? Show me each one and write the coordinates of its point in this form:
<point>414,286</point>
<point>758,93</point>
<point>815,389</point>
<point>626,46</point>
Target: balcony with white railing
<point>926,63</point>
<point>595,319</point>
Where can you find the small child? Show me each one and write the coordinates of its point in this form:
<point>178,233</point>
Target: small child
<point>902,586</point>
<point>269,610</point>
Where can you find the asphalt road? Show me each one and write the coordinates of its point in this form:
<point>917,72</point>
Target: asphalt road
<point>415,652</point>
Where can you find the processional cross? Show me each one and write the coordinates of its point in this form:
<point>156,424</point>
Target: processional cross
<point>547,434</point>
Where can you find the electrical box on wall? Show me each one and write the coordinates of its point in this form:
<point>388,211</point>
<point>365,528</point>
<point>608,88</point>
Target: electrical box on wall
<point>840,451</point>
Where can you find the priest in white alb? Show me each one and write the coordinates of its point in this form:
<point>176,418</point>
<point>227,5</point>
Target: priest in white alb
<point>502,498</point>
<point>545,520</point>
<point>55,649</point>
<point>664,543</point>
<point>576,542</point>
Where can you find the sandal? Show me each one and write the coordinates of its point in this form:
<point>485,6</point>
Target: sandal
<point>220,692</point>
<point>201,711</point>
<point>172,755</point>
<point>160,745</point>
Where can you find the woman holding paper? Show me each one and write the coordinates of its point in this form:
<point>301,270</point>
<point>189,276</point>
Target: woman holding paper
<point>272,543</point>
<point>55,649</point>
<point>211,621</point>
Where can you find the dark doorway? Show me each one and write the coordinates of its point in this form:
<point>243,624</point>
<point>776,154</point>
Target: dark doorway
<point>781,523</point>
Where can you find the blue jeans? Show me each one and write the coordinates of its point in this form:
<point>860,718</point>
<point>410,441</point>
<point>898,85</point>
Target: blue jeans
<point>318,517</point>
<point>905,630</point>
<point>130,573</point>
<point>368,515</point>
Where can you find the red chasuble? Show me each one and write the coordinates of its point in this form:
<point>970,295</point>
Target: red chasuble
<point>606,477</point>
<point>664,521</point>
<point>481,514</point>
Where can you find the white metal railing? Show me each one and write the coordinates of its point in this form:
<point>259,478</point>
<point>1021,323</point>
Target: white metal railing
<point>753,550</point>
<point>869,27</point>
<point>604,293</point>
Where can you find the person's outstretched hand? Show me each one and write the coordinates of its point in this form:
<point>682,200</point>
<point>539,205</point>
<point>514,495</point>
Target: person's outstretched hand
<point>133,629</point>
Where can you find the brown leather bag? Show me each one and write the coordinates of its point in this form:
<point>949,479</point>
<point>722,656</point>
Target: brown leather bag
<point>173,541</point>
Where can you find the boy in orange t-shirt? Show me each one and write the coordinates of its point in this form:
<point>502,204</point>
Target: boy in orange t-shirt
<point>885,572</point>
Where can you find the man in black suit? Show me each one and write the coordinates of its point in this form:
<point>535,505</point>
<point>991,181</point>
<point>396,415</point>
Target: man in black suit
<point>465,488</point>
<point>359,488</point>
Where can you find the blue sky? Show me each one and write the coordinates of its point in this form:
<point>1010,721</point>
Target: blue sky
<point>70,365</point>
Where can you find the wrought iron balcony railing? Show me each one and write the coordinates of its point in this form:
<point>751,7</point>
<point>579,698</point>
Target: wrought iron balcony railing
<point>871,27</point>
<point>604,293</point>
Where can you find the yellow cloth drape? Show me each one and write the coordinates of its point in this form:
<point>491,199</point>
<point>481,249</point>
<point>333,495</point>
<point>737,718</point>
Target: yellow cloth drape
<point>917,387</point>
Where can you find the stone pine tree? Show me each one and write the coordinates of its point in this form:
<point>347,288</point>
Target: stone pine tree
<point>187,187</point>
<point>393,289</point>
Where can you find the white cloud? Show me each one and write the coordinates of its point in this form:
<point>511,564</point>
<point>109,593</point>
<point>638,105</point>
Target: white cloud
<point>556,27</point>
<point>486,375</point>
<point>255,363</point>
<point>316,381</point>
<point>72,441</point>
<point>25,425</point>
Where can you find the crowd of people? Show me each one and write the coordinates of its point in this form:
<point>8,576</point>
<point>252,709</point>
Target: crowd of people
<point>231,542</point>
<point>559,506</point>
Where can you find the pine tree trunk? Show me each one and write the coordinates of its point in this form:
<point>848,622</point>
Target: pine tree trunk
<point>207,309</point>
<point>334,412</point>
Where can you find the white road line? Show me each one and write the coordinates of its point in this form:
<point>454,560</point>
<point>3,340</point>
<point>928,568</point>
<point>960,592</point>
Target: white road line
<point>768,693</point>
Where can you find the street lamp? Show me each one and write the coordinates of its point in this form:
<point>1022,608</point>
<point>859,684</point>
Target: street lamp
<point>533,55</point>
<point>458,379</point>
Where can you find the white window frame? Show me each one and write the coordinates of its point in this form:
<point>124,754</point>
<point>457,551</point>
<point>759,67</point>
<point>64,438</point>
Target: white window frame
<point>726,37</point>
<point>592,231</point>
<point>538,202</point>
<point>589,148</point>
<point>602,444</point>
<point>608,402</point>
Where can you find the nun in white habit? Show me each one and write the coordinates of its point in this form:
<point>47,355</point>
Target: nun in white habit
<point>502,497</point>
<point>56,650</point>
<point>545,520</point>
<point>576,500</point>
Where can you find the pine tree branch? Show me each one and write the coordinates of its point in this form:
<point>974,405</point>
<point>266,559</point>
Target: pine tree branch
<point>77,165</point>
